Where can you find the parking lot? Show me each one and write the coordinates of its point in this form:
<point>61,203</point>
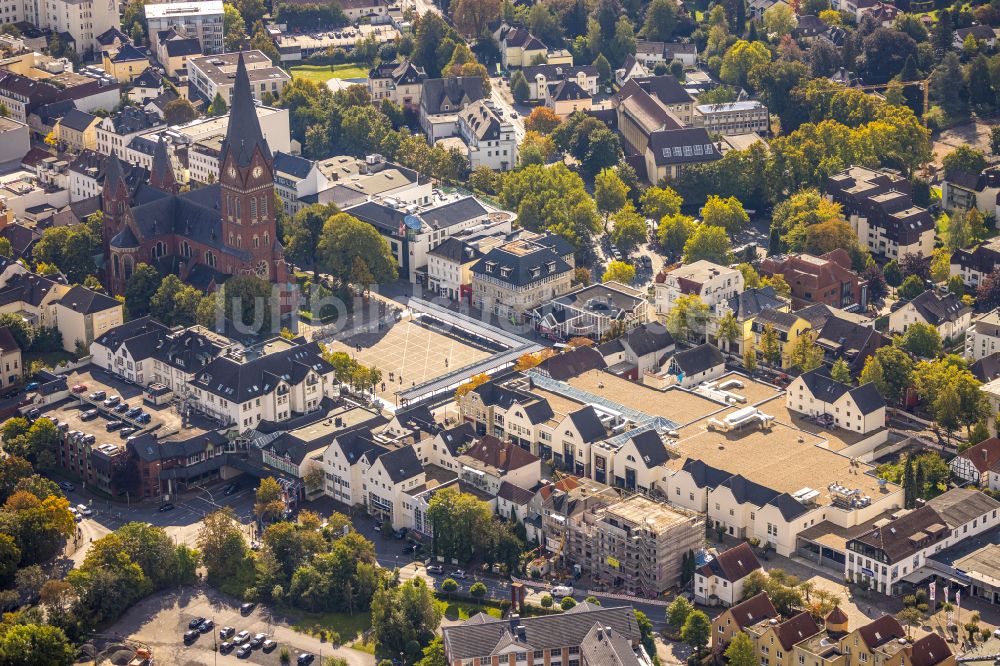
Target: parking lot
<point>161,620</point>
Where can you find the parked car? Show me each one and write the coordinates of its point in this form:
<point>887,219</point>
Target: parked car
<point>190,636</point>
<point>459,574</point>
<point>112,401</point>
<point>225,647</point>
<point>33,414</point>
<point>84,510</point>
<point>31,386</point>
<point>562,591</point>
<point>244,651</point>
<point>206,626</point>
<point>98,395</point>
<point>435,569</point>
<point>125,432</point>
<point>166,507</point>
<point>111,426</point>
<point>143,417</point>
<point>195,623</point>
<point>305,659</point>
<point>231,488</point>
<point>76,514</point>
<point>79,388</point>
<point>226,632</point>
<point>247,608</point>
<point>257,640</point>
<point>67,486</point>
<point>241,637</point>
<point>121,408</point>
<point>134,412</point>
<point>268,645</point>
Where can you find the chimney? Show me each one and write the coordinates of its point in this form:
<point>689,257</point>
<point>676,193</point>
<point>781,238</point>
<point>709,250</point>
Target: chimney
<point>986,455</point>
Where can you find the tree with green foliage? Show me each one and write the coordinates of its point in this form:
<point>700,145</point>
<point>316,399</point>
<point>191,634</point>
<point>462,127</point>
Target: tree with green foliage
<point>234,28</point>
<point>912,287</point>
<point>805,354</point>
<point>678,611</point>
<point>696,631</point>
<point>610,193</point>
<point>841,371</point>
<point>770,347</point>
<point>469,519</point>
<point>404,616</point>
<point>658,202</point>
<point>179,111</point>
<point>604,72</point>
<point>628,228</point>
<point>710,243</point>
<point>740,651</point>
<point>347,245</point>
<point>726,213</point>
<point>919,339</point>
<point>674,232</point>
<point>740,59</point>
<point>218,107</point>
<point>567,603</point>
<point>35,645</point>
<point>304,232</point>
<point>661,20</point>
<point>619,271</point>
<point>175,303</point>
<point>519,87</point>
<point>964,159</point>
<point>552,199</point>
<point>688,318</point>
<point>139,290</point>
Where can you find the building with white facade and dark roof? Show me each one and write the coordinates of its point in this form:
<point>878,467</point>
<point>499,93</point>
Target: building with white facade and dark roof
<point>816,394</point>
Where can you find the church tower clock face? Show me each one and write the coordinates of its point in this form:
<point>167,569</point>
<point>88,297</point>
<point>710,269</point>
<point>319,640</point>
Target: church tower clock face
<point>232,171</point>
<point>257,171</point>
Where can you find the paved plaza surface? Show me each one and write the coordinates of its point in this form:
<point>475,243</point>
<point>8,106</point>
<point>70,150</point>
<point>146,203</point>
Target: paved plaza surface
<point>412,352</point>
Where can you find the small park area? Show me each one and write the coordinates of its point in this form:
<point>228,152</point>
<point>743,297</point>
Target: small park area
<point>323,73</point>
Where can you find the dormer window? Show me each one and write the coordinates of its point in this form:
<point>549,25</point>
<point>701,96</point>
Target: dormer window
<point>505,271</point>
<point>490,266</point>
<point>551,266</point>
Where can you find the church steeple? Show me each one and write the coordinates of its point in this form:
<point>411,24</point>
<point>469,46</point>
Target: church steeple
<point>162,174</point>
<point>243,134</point>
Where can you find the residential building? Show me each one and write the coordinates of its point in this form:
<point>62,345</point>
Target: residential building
<point>125,349</point>
<point>345,181</point>
<point>213,75</point>
<point>788,328</point>
<point>739,617</point>
<point>816,394</point>
<point>571,636</point>
<point>543,78</point>
<point>179,355</point>
<point>774,640</point>
<point>295,47</point>
<point>31,297</point>
<point>711,283</point>
<point>649,53</point>
<point>630,69</point>
<point>127,64</point>
<point>668,152</point>
<point>734,118</point>
<point>961,191</point>
<point>488,462</point>
<point>166,466</point>
<point>637,544</point>
<point>890,554</point>
<point>720,581</point>
<point>843,338</point>
<point>389,480</point>
<point>115,133</point>
<point>982,338</point>
<point>513,279</point>
<point>979,465</point>
<point>83,21</point>
<point>346,462</point>
<point>372,10</point>
<point>442,100</point>
<point>984,35</point>
<point>518,47</point>
<point>697,365</point>
<point>489,138</point>
<point>987,368</point>
<point>642,349</point>
<point>975,264</point>
<point>566,98</point>
<point>879,207</point>
<point>82,315</point>
<point>77,130</point>
<point>949,316</point>
<point>595,311</point>
<point>826,279</point>
<point>414,222</point>
<point>449,268</point>
<point>401,82</point>
<point>11,367</point>
<point>572,362</point>
<point>174,48</point>
<point>201,19</point>
<point>288,378</point>
<point>744,306</point>
<point>23,95</point>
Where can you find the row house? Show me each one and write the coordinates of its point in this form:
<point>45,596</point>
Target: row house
<point>979,465</point>
<point>860,409</point>
<point>643,349</point>
<point>179,355</point>
<point>744,307</point>
<point>127,350</point>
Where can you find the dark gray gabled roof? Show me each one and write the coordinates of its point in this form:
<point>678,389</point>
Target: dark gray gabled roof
<point>456,212</point>
<point>666,88</point>
<point>78,120</point>
<point>651,449</point>
<point>87,301</point>
<point>568,90</point>
<point>827,389</point>
<point>451,94</point>
<point>588,424</point>
<point>789,507</point>
<point>183,47</point>
<point>240,381</point>
<point>649,338</point>
<point>538,412</point>
<point>987,368</point>
<point>744,491</point>
<point>293,165</point>
<point>117,336</point>
<point>515,494</point>
<point>937,310</point>
<point>558,72</point>
<point>751,302</point>
<point>699,359</point>
<point>459,437</point>
<point>532,261</point>
<point>704,475</point>
<point>356,443</point>
<point>573,362</point>
<point>456,251</point>
<point>479,638</point>
<point>401,464</point>
<point>128,53</point>
<point>149,78</point>
<point>682,146</point>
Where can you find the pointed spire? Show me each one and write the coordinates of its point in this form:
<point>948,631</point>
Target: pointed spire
<point>243,133</point>
<point>162,174</point>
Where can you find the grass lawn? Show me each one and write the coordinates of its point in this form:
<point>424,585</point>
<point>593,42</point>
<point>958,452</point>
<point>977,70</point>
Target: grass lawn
<point>350,627</point>
<point>463,610</point>
<point>50,359</point>
<point>323,73</point>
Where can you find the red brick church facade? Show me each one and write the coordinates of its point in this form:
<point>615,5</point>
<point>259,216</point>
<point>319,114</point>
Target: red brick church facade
<point>209,233</point>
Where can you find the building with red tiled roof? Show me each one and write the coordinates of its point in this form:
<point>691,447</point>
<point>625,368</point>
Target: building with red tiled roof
<point>489,462</point>
<point>979,464</point>
<point>720,581</point>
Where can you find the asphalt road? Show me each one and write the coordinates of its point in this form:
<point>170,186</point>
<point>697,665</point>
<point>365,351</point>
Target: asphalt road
<point>500,94</point>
